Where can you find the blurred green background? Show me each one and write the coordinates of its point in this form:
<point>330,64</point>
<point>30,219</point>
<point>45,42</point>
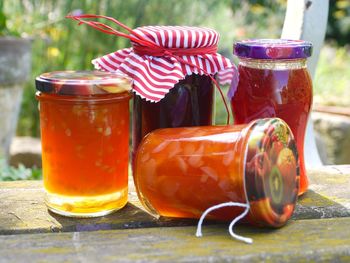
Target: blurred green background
<point>60,44</point>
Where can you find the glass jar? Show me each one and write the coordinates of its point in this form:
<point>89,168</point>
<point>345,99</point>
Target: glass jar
<point>274,82</point>
<point>84,119</point>
<point>172,69</point>
<point>181,172</point>
<point>189,103</point>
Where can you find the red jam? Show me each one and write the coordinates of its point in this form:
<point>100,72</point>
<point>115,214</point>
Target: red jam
<point>284,93</point>
<point>189,103</point>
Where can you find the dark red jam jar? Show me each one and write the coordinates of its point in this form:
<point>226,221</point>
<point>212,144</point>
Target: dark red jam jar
<point>274,82</point>
<point>189,103</point>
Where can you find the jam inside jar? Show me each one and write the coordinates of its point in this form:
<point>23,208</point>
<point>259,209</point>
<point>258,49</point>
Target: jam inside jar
<point>84,119</point>
<point>274,82</point>
<point>189,103</point>
<point>181,172</point>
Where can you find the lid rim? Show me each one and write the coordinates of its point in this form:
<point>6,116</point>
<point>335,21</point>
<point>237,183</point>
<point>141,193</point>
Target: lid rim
<point>82,83</point>
<point>273,49</point>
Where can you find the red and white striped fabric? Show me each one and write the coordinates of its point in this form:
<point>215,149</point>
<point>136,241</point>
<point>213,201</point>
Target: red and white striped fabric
<point>154,76</point>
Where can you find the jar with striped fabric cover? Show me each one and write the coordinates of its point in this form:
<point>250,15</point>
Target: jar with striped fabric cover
<point>173,83</point>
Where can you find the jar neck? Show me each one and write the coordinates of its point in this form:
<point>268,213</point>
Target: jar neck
<point>280,64</point>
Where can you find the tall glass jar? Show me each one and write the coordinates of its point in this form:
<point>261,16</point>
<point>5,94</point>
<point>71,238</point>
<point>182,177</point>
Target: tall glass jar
<point>84,119</point>
<point>181,172</point>
<point>274,82</point>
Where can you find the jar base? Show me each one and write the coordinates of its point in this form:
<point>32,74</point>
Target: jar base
<point>86,206</point>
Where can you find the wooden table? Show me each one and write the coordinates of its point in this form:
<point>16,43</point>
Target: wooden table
<point>319,230</point>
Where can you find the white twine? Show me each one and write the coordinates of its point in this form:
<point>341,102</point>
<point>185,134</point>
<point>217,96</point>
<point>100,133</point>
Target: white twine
<point>234,221</point>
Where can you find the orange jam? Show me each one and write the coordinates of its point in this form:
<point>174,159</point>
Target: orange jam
<point>181,172</point>
<point>85,140</point>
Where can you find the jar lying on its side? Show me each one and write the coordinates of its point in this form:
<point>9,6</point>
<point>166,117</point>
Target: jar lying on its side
<point>181,172</point>
<point>84,119</point>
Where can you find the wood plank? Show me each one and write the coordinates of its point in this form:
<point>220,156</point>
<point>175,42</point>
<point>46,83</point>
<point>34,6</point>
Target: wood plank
<point>344,111</point>
<point>328,195</point>
<point>22,209</point>
<point>325,240</point>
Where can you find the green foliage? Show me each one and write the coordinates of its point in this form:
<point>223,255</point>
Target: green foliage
<point>60,44</point>
<point>332,82</point>
<point>2,19</point>
<point>4,31</point>
<point>339,22</point>
<point>9,173</point>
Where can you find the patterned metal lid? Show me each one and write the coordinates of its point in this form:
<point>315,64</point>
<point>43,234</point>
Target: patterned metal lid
<point>271,172</point>
<point>272,49</point>
<point>82,83</point>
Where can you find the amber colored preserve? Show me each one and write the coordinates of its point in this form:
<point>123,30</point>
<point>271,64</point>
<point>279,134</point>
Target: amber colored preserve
<point>85,140</point>
<point>181,172</point>
<point>275,84</point>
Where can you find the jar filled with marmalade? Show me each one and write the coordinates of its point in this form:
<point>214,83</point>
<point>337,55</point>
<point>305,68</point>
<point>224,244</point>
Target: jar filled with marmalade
<point>84,120</point>
<point>181,172</point>
<point>274,82</point>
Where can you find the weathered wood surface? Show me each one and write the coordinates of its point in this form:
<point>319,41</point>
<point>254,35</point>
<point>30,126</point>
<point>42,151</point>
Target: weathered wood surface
<point>329,194</point>
<point>22,209</point>
<point>321,240</point>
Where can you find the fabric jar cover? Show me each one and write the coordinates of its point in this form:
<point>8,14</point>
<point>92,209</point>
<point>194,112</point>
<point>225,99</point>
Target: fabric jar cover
<point>154,76</point>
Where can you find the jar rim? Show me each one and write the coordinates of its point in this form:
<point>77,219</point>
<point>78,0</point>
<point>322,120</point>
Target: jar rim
<point>82,83</point>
